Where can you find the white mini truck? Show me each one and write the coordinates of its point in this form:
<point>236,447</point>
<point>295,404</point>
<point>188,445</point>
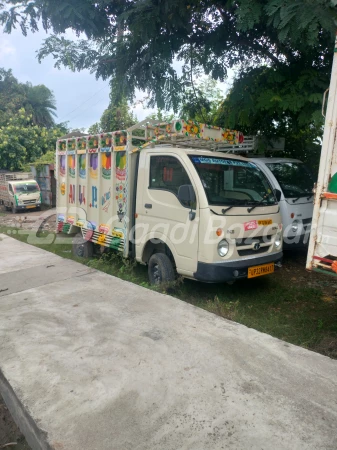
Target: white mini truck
<point>295,182</point>
<point>161,194</point>
<point>19,191</point>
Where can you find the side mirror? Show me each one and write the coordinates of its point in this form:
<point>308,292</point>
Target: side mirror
<point>186,195</point>
<point>278,194</point>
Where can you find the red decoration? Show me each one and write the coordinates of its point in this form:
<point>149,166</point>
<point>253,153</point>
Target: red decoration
<point>88,235</point>
<point>334,266</point>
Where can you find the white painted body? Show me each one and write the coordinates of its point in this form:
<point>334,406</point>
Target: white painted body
<point>291,209</point>
<point>322,253</point>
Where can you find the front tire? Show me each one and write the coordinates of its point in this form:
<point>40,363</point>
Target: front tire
<point>82,248</point>
<point>14,210</point>
<point>160,269</point>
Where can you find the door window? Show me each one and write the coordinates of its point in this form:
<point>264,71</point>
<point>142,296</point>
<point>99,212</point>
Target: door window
<point>10,189</point>
<point>167,173</point>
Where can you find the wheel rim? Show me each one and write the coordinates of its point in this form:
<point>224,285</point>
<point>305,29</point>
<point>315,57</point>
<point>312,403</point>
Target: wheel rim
<point>157,274</point>
<point>80,250</point>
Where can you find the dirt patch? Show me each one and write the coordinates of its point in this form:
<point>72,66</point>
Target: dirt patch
<point>9,432</point>
<point>30,220</point>
<point>294,273</point>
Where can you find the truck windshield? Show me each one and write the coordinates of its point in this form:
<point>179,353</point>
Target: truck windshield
<point>233,182</point>
<point>295,178</point>
<point>20,188</point>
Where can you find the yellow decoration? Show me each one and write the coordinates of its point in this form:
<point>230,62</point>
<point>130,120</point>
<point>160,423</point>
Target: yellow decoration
<point>101,239</point>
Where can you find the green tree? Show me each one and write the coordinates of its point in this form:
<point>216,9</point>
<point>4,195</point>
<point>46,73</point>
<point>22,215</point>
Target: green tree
<point>40,102</point>
<point>115,117</point>
<point>22,142</point>
<point>202,102</point>
<point>12,95</point>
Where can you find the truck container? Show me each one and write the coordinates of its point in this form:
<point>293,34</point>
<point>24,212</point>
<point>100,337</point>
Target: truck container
<point>322,252</point>
<point>159,193</point>
<point>19,191</point>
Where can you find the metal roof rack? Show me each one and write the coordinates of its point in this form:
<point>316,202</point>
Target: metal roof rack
<point>190,134</point>
<point>150,133</point>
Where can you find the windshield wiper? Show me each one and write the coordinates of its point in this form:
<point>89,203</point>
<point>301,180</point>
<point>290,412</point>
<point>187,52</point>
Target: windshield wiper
<point>227,209</point>
<point>224,210</point>
<point>303,195</point>
<point>258,203</point>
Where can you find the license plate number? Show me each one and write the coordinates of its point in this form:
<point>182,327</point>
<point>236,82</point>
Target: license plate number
<point>257,271</point>
<point>30,206</point>
<point>264,223</point>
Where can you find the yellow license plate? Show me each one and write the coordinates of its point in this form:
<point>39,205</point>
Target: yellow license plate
<point>30,206</point>
<point>257,271</point>
<point>264,223</point>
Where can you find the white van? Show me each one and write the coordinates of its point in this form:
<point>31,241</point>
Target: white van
<point>295,182</point>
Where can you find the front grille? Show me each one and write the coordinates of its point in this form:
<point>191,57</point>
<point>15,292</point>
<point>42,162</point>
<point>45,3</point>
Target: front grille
<point>245,246</point>
<point>29,202</point>
<point>250,241</point>
<point>251,251</point>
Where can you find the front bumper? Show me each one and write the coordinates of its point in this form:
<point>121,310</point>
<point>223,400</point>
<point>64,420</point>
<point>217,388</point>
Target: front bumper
<point>300,240</point>
<point>24,207</point>
<point>224,271</point>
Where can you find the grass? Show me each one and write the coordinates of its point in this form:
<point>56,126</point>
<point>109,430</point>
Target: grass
<point>299,309</point>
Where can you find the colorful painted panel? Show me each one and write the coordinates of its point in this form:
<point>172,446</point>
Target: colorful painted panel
<point>71,165</point>
<point>81,143</point>
<point>93,142</point>
<point>82,166</point>
<point>71,144</point>
<point>106,165</point>
<point>120,184</point>
<point>62,165</point>
<point>62,145</point>
<point>93,160</point>
<point>105,141</point>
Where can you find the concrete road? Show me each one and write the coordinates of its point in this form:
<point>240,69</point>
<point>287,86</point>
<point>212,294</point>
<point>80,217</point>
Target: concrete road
<point>91,362</point>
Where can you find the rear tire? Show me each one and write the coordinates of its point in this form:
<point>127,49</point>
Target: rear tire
<point>160,269</point>
<point>82,248</point>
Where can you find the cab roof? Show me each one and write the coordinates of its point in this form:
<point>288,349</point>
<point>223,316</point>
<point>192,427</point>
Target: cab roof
<point>195,151</point>
<point>275,160</point>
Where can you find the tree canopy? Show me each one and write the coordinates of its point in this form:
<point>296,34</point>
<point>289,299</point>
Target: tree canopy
<point>135,43</point>
<point>281,51</point>
<point>27,130</point>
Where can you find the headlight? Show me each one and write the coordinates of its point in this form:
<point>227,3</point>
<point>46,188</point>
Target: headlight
<point>278,240</point>
<point>294,226</point>
<point>223,247</point>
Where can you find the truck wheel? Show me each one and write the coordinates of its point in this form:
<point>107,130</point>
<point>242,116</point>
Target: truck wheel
<point>160,269</point>
<point>82,248</point>
<point>14,211</point>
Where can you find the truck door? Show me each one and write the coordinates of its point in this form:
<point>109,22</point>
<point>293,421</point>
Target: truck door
<point>161,215</point>
<point>11,193</point>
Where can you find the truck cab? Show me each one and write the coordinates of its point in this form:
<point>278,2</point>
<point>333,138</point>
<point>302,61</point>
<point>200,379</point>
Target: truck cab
<point>229,227</point>
<point>295,182</point>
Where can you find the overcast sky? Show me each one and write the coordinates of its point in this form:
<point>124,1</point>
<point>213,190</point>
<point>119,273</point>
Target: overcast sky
<point>80,98</point>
